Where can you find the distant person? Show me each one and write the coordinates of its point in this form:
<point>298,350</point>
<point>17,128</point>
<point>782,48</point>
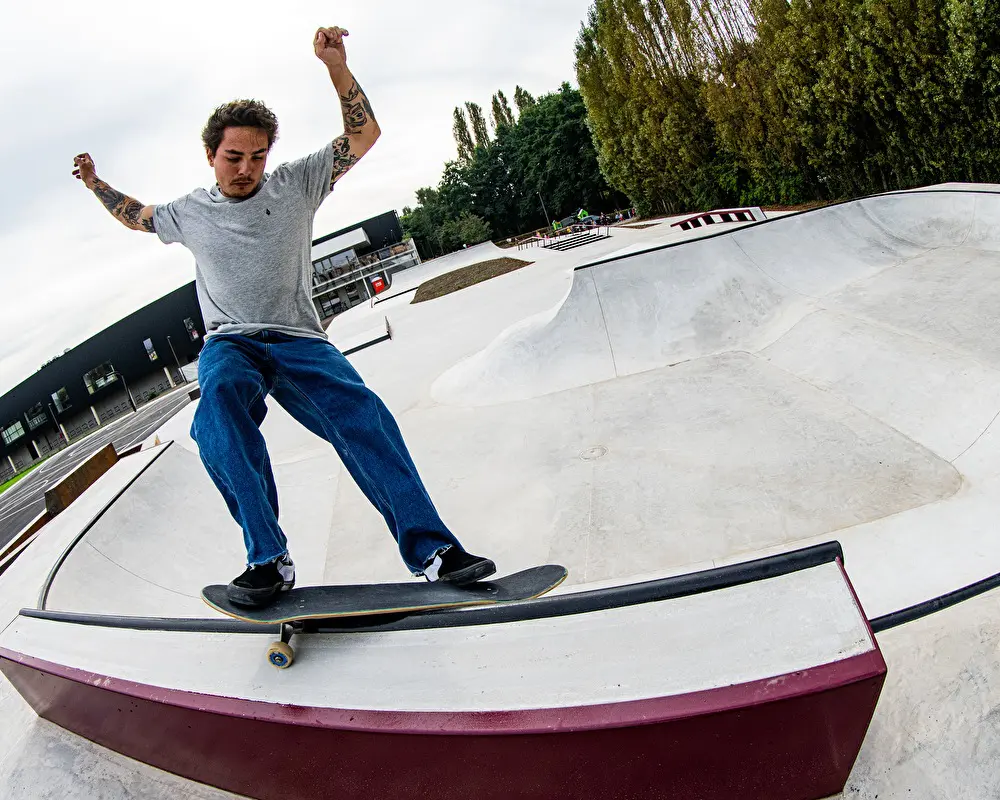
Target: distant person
<point>251,236</point>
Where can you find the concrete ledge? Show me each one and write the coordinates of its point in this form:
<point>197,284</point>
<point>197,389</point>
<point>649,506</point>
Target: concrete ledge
<point>764,688</point>
<point>10,551</point>
<point>79,480</point>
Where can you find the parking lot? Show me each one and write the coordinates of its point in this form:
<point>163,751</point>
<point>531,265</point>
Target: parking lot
<point>25,500</point>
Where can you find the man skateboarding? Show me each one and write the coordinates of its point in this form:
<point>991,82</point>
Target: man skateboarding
<point>251,236</point>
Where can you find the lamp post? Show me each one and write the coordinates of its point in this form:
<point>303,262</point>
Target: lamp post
<point>547,220</point>
<point>128,392</point>
<point>177,360</point>
<point>55,422</point>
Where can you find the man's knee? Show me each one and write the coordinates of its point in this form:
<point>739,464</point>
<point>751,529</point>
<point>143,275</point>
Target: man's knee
<point>224,402</point>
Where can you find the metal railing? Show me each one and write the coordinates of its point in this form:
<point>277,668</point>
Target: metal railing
<point>364,271</point>
<point>531,241</point>
<point>538,239</point>
<point>597,232</point>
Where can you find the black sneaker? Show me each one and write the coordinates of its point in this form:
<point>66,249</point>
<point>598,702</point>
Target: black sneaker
<point>259,585</point>
<point>456,566</point>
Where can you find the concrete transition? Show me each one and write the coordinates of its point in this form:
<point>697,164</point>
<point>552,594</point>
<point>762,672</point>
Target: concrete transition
<point>698,401</point>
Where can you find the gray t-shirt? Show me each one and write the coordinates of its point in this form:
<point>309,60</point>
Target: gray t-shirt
<point>253,263</point>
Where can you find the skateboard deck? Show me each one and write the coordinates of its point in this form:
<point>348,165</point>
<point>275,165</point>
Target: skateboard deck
<point>326,602</point>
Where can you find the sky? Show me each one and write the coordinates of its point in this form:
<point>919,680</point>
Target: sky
<point>133,84</point>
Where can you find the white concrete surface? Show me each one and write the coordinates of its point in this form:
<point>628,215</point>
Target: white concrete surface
<point>936,731</point>
<point>828,375</point>
<point>170,535</point>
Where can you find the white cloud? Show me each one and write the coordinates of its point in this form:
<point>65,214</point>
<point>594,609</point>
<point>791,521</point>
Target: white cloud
<point>134,84</point>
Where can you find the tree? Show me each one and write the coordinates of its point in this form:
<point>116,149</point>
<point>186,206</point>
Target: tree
<point>641,73</point>
<point>551,153</point>
<point>480,132</point>
<point>423,223</point>
<point>548,150</point>
<point>522,99</point>
<point>503,117</point>
<point>698,102</point>
<point>463,138</point>
<point>468,229</point>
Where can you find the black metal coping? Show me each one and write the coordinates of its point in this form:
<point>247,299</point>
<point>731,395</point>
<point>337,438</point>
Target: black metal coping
<point>366,345</point>
<point>400,293</point>
<point>768,221</point>
<point>928,607</point>
<point>541,608</point>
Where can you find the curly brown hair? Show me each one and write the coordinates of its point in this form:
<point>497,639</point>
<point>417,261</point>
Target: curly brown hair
<point>239,114</point>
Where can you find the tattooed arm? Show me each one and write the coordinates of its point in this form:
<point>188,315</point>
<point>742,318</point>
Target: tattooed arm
<point>360,128</point>
<point>128,211</point>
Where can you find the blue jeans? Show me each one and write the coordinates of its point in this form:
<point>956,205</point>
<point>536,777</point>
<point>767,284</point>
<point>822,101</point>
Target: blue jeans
<point>314,383</point>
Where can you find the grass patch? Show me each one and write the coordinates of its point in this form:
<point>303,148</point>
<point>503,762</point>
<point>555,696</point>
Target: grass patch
<point>800,206</point>
<point>5,486</point>
<point>467,276</point>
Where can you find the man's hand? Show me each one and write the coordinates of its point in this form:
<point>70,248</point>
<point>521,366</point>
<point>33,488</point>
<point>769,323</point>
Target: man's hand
<point>85,169</point>
<point>127,210</point>
<point>329,46</point>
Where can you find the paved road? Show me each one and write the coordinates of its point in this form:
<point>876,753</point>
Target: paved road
<point>25,500</point>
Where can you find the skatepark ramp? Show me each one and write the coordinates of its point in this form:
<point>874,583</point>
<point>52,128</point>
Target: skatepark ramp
<point>868,260</point>
<point>687,430</point>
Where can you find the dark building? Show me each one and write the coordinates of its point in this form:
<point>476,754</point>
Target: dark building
<point>354,264</point>
<point>85,387</point>
<point>378,233</point>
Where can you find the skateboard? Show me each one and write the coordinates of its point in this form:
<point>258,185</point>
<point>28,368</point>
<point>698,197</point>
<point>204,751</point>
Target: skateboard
<point>294,607</point>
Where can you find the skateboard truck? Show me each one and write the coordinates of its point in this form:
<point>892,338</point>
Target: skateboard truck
<point>281,654</point>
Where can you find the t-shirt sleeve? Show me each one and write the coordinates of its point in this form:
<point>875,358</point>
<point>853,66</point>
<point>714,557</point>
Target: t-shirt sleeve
<point>167,221</point>
<point>313,174</point>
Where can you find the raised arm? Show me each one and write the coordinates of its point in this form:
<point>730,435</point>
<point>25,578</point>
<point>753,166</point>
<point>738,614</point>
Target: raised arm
<point>127,210</point>
<point>360,128</point>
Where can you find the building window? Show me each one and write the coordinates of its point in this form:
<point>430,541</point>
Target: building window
<point>61,399</point>
<point>191,329</point>
<point>99,377</point>
<point>13,432</point>
<point>36,416</point>
<point>331,267</point>
<point>148,344</point>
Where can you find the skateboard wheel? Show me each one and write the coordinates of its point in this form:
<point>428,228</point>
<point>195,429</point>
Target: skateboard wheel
<point>280,655</point>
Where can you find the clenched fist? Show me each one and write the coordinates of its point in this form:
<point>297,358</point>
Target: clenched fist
<point>85,170</point>
<point>329,46</point>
